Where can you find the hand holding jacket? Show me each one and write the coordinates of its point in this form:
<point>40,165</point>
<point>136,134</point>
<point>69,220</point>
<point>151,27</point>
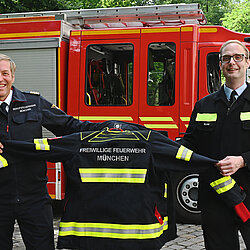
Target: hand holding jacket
<point>230,165</point>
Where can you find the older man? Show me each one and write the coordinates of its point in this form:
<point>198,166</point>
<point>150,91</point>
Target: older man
<point>23,192</point>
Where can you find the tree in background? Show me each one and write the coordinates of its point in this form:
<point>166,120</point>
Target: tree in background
<point>239,18</point>
<point>7,6</point>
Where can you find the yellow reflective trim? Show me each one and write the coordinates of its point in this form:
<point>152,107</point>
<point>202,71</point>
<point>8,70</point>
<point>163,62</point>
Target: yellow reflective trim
<point>59,76</point>
<point>151,118</point>
<point>245,116</point>
<point>179,152</point>
<point>75,33</point>
<point>187,29</point>
<point>112,225</point>
<point>206,117</point>
<point>188,155</point>
<point>109,32</point>
<point>208,30</point>
<point>113,170</point>
<point>222,181</point>
<point>160,125</point>
<point>3,161</point>
<point>91,229</point>
<point>145,138</point>
<point>114,235</point>
<point>109,135</point>
<point>42,144</point>
<point>37,143</point>
<point>226,188</point>
<point>185,119</point>
<point>113,180</point>
<point>184,153</point>
<point>166,191</point>
<point>104,118</point>
<point>29,34</point>
<point>45,144</point>
<point>113,175</point>
<point>160,30</point>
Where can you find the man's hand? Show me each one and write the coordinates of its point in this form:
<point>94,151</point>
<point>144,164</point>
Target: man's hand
<point>1,148</point>
<point>230,165</point>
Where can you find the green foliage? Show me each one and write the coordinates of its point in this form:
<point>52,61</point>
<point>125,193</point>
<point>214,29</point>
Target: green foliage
<point>239,18</point>
<point>7,6</point>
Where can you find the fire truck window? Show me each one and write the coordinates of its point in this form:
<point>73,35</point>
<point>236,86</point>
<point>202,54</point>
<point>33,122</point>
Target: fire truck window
<point>161,74</point>
<point>213,72</point>
<point>109,75</point>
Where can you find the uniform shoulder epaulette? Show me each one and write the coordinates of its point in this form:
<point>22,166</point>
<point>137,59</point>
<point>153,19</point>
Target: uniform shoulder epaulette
<point>32,92</point>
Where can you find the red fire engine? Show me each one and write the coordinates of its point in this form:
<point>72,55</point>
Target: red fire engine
<point>146,65</point>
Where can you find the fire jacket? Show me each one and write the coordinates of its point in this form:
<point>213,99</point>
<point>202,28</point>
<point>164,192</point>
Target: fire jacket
<point>28,112</point>
<point>118,189</point>
<point>217,130</point>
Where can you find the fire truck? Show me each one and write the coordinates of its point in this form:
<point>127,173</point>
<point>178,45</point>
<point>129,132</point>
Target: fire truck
<point>146,65</point>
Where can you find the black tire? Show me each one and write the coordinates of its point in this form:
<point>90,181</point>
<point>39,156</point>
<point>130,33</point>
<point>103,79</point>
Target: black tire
<point>185,188</point>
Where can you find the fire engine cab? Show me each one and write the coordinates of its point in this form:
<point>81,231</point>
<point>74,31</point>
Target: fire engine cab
<point>146,65</point>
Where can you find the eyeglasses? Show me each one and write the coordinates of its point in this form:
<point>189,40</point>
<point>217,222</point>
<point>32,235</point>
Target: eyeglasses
<point>236,57</point>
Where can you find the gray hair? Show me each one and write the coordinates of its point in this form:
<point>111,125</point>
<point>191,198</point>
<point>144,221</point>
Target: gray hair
<point>12,64</point>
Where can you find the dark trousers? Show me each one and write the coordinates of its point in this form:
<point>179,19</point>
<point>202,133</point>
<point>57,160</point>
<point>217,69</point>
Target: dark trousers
<point>221,226</point>
<point>35,220</point>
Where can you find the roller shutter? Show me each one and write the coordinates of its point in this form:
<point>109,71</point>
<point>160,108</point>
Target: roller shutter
<point>36,71</point>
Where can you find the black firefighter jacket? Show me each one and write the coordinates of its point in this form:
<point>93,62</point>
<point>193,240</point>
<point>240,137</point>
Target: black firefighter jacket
<point>217,130</point>
<point>28,112</point>
<point>118,192</point>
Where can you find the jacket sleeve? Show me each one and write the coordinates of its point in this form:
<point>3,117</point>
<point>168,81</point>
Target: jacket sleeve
<point>231,193</point>
<point>57,149</point>
<point>170,155</point>
<point>58,122</point>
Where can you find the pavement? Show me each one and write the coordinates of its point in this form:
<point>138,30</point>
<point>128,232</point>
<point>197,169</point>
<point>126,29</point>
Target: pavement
<point>190,237</point>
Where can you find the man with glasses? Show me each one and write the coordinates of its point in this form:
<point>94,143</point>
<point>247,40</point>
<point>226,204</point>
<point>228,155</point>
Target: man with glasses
<point>220,128</point>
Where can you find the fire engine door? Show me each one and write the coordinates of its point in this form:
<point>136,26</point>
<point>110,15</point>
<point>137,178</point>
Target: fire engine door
<point>109,76</point>
<point>159,79</point>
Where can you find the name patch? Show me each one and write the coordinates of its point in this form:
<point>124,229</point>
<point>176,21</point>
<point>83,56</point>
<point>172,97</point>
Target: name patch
<point>25,108</point>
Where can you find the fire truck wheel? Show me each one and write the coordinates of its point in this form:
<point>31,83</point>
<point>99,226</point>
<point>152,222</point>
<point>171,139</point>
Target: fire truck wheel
<point>185,187</point>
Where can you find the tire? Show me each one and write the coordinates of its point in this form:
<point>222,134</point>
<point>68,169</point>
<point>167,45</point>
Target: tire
<point>185,187</point>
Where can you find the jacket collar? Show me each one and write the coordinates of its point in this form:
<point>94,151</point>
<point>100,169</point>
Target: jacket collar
<point>18,96</point>
<point>246,93</point>
<point>220,94</point>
